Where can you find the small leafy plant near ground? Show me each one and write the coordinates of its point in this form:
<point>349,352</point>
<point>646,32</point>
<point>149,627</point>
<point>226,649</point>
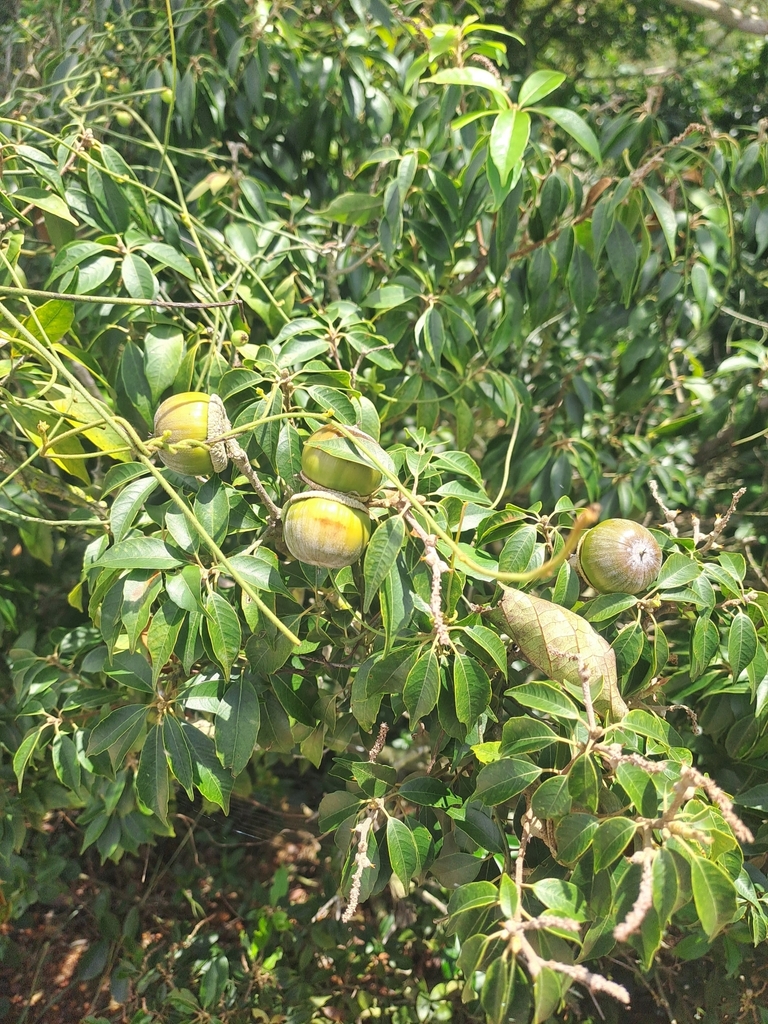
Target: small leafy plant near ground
<point>517,317</point>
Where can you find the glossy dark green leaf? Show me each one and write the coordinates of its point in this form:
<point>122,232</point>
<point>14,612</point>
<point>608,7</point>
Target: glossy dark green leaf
<point>162,635</point>
<point>422,687</point>
<point>128,504</point>
<point>705,642</point>
<point>424,791</point>
<point>214,782</point>
<point>545,697</point>
<point>525,735</point>
<point>518,550</point>
<point>497,990</point>
<point>610,841</point>
<point>472,689</point>
<point>24,752</point>
<point>335,808</point>
<point>402,850</point>
<point>502,780</point>
<point>380,555</point>
<point>573,835</point>
<point>237,725</point>
<point>152,782</point>
<point>65,762</point>
<point>552,799</point>
<point>714,895</point>
<point>224,631</point>
<point>139,553</point>
<point>117,732</point>
<point>178,752</point>
<point>742,643</point>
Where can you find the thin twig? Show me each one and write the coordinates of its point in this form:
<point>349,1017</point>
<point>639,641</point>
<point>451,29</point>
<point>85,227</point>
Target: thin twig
<point>634,920</point>
<point>438,567</point>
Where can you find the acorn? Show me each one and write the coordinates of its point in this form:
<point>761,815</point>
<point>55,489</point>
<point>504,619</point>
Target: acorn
<point>193,416</point>
<point>327,529</point>
<point>619,556</point>
<point>333,472</point>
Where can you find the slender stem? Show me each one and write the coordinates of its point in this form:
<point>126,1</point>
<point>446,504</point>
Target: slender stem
<point>112,300</point>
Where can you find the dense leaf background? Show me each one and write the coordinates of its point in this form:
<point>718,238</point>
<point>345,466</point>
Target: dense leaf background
<point>535,290</point>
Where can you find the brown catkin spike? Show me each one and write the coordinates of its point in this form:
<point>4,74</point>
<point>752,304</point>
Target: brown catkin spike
<point>561,644</point>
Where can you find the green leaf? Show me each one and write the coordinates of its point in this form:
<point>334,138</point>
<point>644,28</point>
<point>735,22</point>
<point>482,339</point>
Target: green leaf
<point>138,278</point>
<point>518,550</point>
<point>545,697</point>
<point>472,689</point>
<point>51,321</point>
<point>547,993</point>
<point>509,897</point>
<point>610,841</point>
<point>127,505</point>
<point>352,208</point>
<point>469,76</point>
<point>714,895</point>
<point>118,732</point>
<point>552,798</point>
<point>65,762</point>
<point>402,850</point>
<point>628,646</point>
<point>676,571</point>
<point>47,201</point>
<point>183,588</point>
<point>607,607</point>
<point>214,782</point>
<point>152,782</point>
<point>489,643</point>
<point>424,791</point>
<point>755,796</point>
<point>622,258</point>
<point>524,735</point>
<point>582,280</point>
<point>335,808</point>
<point>237,725</point>
<point>573,835</point>
<point>162,636</point>
<point>471,896</point>
<point>538,85</point>
<point>742,643</point>
<point>665,216</point>
<point>563,898</point>
<point>224,631</point>
<point>163,353</point>
<point>139,553</point>
<point>576,127</point>
<point>169,257</point>
<point>705,643</point>
<point>211,508</point>
<point>24,752</point>
<point>422,687</point>
<point>383,548</point>
<point>509,137</point>
<point>502,780</point>
<point>178,751</point>
<point>131,669</point>
<point>496,994</point>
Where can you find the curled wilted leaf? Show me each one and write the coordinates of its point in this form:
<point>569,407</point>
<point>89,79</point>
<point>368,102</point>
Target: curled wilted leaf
<point>562,645</point>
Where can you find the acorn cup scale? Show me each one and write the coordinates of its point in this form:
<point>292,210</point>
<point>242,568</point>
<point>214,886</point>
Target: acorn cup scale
<point>333,472</point>
<point>326,529</point>
<point>192,416</point>
<point>619,556</point>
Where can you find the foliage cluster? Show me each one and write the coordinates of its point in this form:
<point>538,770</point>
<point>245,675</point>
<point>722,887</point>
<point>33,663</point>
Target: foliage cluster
<point>372,215</point>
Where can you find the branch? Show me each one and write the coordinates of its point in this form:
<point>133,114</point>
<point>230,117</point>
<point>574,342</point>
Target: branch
<point>729,16</point>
